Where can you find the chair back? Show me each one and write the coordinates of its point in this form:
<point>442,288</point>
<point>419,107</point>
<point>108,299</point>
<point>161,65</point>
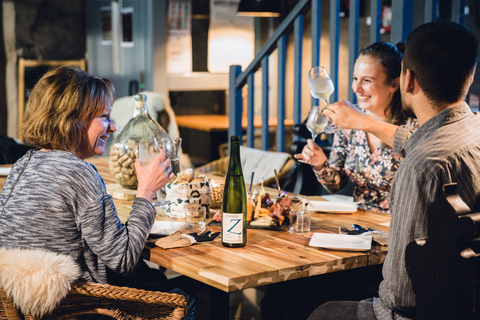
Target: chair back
<point>444,267</point>
<point>8,311</point>
<point>261,162</point>
<point>51,293</point>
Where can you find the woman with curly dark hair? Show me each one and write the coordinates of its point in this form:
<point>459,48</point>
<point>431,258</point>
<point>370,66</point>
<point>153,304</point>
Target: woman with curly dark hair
<point>357,155</point>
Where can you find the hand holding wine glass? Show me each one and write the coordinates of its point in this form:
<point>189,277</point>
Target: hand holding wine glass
<point>148,151</point>
<point>313,155</point>
<point>321,87</point>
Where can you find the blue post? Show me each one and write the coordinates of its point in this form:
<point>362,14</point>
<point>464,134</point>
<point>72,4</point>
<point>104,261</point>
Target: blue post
<point>265,116</point>
<point>297,70</point>
<point>235,102</point>
<point>376,16</point>
<point>282,53</point>
<point>251,111</point>
<point>430,10</point>
<point>316,35</point>
<point>402,20</point>
<point>334,44</point>
<point>353,28</point>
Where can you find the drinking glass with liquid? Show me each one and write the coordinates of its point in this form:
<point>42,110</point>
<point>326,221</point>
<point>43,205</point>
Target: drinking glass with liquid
<point>148,150</point>
<point>195,216</point>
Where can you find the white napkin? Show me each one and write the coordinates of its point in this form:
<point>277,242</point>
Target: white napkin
<point>332,206</point>
<point>4,171</point>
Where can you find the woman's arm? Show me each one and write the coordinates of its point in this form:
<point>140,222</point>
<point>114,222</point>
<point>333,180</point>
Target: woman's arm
<point>118,246</point>
<point>333,176</point>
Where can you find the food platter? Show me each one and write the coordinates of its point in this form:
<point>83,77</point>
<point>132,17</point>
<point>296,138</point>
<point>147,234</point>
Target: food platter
<point>263,212</point>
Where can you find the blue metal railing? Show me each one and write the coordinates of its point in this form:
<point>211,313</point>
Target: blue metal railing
<point>401,26</point>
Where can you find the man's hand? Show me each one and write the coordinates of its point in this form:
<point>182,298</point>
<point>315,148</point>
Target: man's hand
<point>344,114</point>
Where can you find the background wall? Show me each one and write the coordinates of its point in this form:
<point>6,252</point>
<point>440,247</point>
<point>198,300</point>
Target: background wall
<point>50,29</point>
<point>41,30</point>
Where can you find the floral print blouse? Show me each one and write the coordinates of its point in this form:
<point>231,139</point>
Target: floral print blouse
<point>371,171</point>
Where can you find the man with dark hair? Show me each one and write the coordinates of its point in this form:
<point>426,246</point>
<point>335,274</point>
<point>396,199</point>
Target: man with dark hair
<point>438,68</point>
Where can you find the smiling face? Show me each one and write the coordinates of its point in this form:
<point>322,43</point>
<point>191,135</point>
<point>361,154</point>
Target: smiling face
<point>370,85</point>
<point>99,129</point>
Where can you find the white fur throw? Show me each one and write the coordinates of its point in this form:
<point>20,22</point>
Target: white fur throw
<point>36,280</point>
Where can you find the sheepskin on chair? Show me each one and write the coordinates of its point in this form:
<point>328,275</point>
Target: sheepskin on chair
<point>36,280</point>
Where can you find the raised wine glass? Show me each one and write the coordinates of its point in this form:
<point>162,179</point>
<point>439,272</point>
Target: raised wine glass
<point>321,87</point>
<point>316,121</point>
<point>148,149</point>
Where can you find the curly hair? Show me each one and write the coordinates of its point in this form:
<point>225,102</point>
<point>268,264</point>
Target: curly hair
<point>61,106</point>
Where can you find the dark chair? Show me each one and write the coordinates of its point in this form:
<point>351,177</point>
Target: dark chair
<point>11,151</point>
<point>444,267</point>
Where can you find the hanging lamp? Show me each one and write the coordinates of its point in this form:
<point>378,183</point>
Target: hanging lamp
<point>259,8</point>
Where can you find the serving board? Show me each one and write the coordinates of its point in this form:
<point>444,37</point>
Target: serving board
<point>120,193</point>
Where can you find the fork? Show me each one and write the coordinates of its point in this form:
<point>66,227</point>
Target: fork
<point>278,183</point>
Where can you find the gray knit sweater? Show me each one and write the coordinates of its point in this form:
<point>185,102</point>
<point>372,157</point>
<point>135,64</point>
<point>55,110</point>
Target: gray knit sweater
<point>53,200</point>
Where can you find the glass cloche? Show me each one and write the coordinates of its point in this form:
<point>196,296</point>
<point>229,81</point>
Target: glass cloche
<point>124,149</point>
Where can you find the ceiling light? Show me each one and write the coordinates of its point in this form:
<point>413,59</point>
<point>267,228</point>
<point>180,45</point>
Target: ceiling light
<point>259,8</point>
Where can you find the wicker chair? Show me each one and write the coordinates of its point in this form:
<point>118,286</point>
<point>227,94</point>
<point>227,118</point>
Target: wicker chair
<point>93,298</point>
<point>116,302</point>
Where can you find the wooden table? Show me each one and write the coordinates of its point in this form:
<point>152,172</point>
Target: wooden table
<point>269,256</point>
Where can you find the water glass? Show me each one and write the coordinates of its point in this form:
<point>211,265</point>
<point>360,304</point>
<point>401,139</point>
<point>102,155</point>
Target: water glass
<point>195,216</point>
<point>300,221</point>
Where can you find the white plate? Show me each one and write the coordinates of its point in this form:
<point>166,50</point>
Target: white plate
<point>4,171</point>
<point>341,242</point>
<point>165,228</point>
<point>332,206</point>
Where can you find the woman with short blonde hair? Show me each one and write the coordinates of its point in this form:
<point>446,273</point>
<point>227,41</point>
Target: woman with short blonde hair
<point>61,105</point>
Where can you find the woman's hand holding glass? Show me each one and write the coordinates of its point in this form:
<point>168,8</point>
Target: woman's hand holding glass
<point>312,154</point>
<point>153,169</point>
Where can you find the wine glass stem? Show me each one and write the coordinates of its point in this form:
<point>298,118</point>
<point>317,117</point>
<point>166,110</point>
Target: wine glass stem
<point>326,103</point>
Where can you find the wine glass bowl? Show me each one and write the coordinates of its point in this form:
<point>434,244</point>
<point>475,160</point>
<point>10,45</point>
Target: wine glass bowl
<point>148,150</point>
<point>321,87</point>
<point>316,121</point>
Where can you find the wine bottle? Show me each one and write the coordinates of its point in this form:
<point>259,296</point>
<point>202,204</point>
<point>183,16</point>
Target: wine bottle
<point>234,206</point>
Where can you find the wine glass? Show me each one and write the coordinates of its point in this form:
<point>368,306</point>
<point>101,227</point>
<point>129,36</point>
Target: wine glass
<point>148,149</point>
<point>316,121</point>
<point>321,87</point>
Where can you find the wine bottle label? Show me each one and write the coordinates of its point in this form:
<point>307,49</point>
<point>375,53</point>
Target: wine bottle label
<point>232,227</point>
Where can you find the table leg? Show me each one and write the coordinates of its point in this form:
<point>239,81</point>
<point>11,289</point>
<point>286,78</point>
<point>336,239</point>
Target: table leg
<point>212,303</point>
